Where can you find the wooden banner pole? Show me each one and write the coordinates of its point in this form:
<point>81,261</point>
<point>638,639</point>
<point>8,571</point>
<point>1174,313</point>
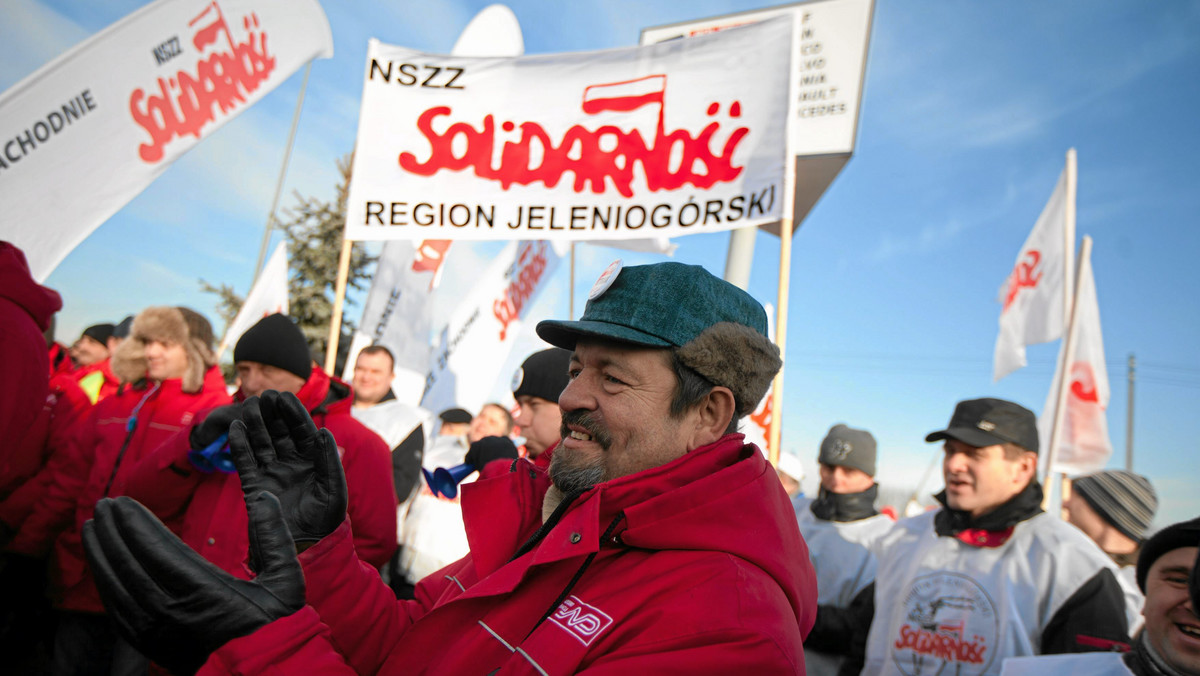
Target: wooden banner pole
<point>339,295</point>
<point>781,316</point>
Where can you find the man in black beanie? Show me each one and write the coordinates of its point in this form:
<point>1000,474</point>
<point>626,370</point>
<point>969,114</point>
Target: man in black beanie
<point>536,386</point>
<point>271,357</point>
<point>1170,643</point>
<point>93,356</point>
<point>840,526</point>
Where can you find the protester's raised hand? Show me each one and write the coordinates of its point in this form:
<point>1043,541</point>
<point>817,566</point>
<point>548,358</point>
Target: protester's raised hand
<point>277,448</point>
<point>215,424</point>
<point>170,603</point>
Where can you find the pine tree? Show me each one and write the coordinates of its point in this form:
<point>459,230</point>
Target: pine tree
<point>313,229</point>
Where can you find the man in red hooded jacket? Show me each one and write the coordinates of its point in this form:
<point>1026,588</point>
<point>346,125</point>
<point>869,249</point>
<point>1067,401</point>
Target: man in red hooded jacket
<point>26,309</point>
<point>657,542</point>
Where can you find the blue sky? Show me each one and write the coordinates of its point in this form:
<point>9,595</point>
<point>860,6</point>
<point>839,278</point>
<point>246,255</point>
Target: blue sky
<point>967,113</point>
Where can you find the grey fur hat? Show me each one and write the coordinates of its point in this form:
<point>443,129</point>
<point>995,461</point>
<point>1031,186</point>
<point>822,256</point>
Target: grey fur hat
<point>179,325</point>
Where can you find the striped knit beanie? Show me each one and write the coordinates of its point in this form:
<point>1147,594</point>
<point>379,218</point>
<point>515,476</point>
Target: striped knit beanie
<point>1123,499</point>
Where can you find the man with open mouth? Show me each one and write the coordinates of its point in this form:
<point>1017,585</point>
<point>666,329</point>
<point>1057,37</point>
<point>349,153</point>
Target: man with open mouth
<point>989,575</point>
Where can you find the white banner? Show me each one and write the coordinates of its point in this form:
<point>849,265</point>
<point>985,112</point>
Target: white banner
<point>398,313</point>
<point>830,59</point>
<point>658,141</point>
<point>483,329</point>
<point>90,130</point>
<point>1033,296</point>
<point>269,295</point>
<point>1084,446</point>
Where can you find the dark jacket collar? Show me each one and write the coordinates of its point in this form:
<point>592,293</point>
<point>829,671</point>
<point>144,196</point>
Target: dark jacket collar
<point>1142,660</point>
<point>845,506</point>
<point>1024,505</point>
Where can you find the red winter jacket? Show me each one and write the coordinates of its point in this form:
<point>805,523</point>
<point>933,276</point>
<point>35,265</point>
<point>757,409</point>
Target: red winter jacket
<point>66,406</point>
<point>696,566</point>
<point>211,512</point>
<point>103,451</point>
<point>60,359</point>
<point>25,311</point>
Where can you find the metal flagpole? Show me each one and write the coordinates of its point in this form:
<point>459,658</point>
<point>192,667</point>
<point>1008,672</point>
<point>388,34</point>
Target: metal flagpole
<point>287,156</point>
<point>1129,416</point>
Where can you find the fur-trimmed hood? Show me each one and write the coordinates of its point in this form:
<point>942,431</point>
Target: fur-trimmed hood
<point>178,325</point>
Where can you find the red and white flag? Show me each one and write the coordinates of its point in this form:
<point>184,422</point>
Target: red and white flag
<point>1035,294</point>
<point>90,130</point>
<point>483,327</point>
<point>268,296</point>
<point>1084,445</point>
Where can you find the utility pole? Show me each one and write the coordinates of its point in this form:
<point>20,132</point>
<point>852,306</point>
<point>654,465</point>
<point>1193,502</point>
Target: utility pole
<point>1129,417</point>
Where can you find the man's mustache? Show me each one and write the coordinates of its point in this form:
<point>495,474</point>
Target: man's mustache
<point>590,423</point>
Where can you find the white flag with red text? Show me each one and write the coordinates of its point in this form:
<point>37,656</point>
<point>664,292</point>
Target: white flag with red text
<point>1084,445</point>
<point>89,131</point>
<point>687,136</point>
<point>398,313</point>
<point>483,327</point>
<point>1033,296</point>
<point>268,296</point>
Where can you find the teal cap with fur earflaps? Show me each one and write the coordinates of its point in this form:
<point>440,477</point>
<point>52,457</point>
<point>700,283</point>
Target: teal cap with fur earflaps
<point>718,330</point>
<point>659,305</point>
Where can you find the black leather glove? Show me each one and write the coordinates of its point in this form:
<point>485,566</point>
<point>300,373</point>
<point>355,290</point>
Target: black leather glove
<point>277,448</point>
<point>214,425</point>
<point>171,604</point>
<point>488,449</point>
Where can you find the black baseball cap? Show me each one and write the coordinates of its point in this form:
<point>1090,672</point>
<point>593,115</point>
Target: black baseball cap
<point>987,422</point>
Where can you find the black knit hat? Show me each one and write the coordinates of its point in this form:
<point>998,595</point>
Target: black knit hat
<point>1123,499</point>
<point>99,332</point>
<point>847,447</point>
<point>276,341</point>
<point>543,374</point>
<point>1175,536</point>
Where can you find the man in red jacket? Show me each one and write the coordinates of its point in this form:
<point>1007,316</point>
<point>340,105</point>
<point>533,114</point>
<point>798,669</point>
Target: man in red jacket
<point>657,542</point>
<point>93,352</point>
<point>206,502</point>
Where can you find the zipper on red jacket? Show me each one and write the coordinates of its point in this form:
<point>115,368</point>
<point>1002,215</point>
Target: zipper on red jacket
<point>131,427</point>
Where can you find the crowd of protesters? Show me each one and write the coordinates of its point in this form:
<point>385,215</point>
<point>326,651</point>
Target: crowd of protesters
<point>612,521</point>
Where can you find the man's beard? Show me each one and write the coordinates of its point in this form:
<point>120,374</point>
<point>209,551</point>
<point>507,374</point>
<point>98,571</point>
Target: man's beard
<point>575,473</point>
